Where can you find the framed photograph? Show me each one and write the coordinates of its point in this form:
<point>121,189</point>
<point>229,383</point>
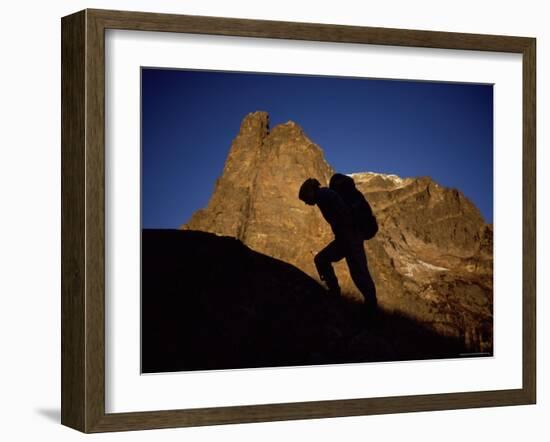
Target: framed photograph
<point>270,220</point>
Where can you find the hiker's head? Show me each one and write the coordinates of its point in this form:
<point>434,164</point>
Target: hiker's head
<point>308,191</point>
<point>341,183</point>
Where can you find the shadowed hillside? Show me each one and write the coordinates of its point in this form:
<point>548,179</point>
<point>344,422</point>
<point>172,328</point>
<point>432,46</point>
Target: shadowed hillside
<point>210,302</point>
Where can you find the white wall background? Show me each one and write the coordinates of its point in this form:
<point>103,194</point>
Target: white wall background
<point>30,218</point>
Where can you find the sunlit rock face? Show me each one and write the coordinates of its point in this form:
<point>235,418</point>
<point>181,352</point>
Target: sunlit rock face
<point>432,258</point>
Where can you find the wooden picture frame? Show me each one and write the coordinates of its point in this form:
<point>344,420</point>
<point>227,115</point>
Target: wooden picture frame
<point>83,220</point>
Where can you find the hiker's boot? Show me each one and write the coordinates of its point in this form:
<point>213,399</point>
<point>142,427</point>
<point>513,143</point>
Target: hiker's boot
<point>332,285</point>
<point>370,309</point>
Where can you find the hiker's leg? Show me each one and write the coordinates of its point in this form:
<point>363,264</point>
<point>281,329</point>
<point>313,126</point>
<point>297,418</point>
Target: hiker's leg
<point>323,261</point>
<point>356,259</point>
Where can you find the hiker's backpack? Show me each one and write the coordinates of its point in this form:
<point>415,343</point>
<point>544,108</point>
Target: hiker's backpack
<point>363,218</point>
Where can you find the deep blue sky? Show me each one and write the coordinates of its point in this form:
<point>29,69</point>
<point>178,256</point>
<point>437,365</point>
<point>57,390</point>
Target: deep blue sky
<point>407,128</point>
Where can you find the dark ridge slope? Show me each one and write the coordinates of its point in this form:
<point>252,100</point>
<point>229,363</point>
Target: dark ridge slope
<point>210,302</point>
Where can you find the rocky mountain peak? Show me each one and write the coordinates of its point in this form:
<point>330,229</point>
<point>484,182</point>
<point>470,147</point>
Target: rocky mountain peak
<point>255,122</point>
<point>431,259</point>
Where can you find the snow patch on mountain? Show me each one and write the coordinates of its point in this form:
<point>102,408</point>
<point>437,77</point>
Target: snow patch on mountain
<point>364,177</point>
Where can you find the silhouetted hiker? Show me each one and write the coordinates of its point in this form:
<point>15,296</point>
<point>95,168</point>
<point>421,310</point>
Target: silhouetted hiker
<point>347,243</point>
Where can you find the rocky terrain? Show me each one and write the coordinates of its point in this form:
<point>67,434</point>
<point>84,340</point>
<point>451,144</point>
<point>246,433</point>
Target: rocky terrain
<point>431,260</point>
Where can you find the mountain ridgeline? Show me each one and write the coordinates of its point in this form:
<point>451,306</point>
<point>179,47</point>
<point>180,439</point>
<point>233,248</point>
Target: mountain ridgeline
<point>432,259</point>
